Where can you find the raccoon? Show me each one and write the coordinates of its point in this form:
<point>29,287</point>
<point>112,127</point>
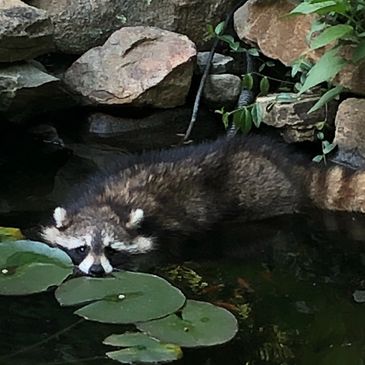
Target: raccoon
<point>133,207</point>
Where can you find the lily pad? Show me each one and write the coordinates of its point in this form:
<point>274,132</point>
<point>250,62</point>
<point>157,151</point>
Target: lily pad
<point>141,348</point>
<point>28,267</point>
<point>10,234</point>
<point>127,297</point>
<point>200,324</point>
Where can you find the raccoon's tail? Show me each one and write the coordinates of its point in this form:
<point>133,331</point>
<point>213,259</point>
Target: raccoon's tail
<point>337,188</point>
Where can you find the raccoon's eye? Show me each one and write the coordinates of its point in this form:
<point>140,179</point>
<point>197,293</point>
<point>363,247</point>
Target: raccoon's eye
<point>80,250</point>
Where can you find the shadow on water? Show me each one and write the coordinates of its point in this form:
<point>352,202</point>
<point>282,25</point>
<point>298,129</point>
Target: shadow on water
<point>290,281</point>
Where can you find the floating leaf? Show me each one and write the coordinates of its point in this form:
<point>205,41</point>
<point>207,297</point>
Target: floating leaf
<point>10,234</point>
<point>28,267</point>
<point>127,297</point>
<point>201,324</point>
<point>331,34</point>
<point>141,348</point>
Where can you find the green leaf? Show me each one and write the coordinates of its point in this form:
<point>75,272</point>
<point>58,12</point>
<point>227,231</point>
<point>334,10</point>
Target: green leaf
<point>317,158</point>
<point>264,86</point>
<point>247,81</point>
<point>141,349</point>
<point>328,66</point>
<point>201,324</point>
<point>327,147</point>
<point>317,26</point>
<point>359,52</point>
<point>331,34</point>
<point>326,97</point>
<point>257,115</point>
<point>323,7</point>
<point>253,52</point>
<point>28,267</point>
<point>286,98</point>
<point>127,297</point>
<point>10,234</point>
<point>225,118</point>
<point>242,120</point>
<point>219,28</point>
<point>210,30</point>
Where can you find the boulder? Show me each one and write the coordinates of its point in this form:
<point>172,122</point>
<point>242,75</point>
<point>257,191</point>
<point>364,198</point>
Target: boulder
<point>292,117</point>
<point>84,24</point>
<point>222,90</point>
<point>350,133</point>
<point>136,66</point>
<point>25,31</point>
<point>27,90</point>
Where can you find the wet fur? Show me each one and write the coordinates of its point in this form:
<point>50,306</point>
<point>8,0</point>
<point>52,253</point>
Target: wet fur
<point>184,191</point>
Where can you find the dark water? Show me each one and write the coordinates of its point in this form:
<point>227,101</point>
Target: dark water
<point>290,282</point>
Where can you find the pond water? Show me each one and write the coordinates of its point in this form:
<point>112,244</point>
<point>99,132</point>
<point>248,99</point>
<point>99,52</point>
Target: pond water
<point>290,282</point>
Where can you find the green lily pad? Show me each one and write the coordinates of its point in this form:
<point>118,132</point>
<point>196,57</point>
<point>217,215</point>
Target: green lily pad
<point>127,297</point>
<point>141,348</point>
<point>201,324</point>
<point>28,267</point>
<point>10,234</point>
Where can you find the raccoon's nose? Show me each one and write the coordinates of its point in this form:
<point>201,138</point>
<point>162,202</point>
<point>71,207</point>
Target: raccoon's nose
<point>96,270</point>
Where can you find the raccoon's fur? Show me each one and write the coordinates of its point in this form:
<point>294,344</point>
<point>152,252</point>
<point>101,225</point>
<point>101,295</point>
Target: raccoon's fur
<point>187,190</point>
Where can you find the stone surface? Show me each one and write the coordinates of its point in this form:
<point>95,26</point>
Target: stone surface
<point>137,66</point>
<point>350,132</point>
<point>27,90</point>
<point>160,129</point>
<point>221,64</point>
<point>84,24</point>
<point>222,90</point>
<point>293,118</point>
<point>266,24</point>
<point>25,31</point>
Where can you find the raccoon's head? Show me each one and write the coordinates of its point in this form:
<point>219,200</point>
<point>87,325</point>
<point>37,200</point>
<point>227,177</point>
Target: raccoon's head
<point>93,234</point>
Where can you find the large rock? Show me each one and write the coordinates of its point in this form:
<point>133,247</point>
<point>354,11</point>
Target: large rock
<point>83,24</point>
<point>27,90</point>
<point>282,37</point>
<point>292,117</point>
<point>25,31</point>
<point>350,132</point>
<point>136,66</point>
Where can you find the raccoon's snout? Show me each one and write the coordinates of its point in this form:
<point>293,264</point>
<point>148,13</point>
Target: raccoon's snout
<point>97,270</point>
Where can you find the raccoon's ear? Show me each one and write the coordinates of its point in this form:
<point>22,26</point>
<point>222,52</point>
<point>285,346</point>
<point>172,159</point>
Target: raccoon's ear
<point>60,217</point>
<point>135,218</point>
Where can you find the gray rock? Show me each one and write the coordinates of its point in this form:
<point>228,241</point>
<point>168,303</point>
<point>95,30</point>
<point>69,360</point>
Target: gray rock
<point>157,130</point>
<point>25,31</point>
<point>84,24</point>
<point>27,90</point>
<point>136,66</point>
<point>221,64</point>
<point>222,90</point>
<point>291,115</point>
<point>350,133</point>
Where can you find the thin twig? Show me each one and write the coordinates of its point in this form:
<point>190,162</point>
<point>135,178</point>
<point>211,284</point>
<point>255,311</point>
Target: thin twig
<point>206,73</point>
